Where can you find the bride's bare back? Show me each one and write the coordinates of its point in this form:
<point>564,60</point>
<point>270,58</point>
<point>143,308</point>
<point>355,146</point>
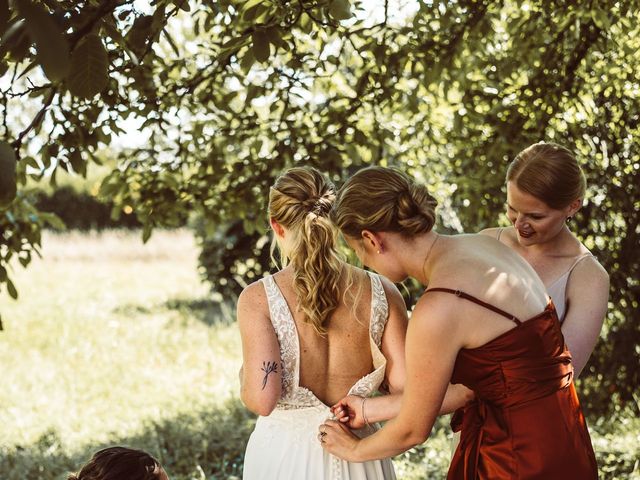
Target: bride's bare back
<point>330,365</point>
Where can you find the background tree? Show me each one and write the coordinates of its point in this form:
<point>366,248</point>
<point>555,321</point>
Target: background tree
<point>226,94</point>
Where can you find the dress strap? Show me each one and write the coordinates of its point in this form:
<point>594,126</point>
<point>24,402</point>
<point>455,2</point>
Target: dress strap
<point>379,309</point>
<point>499,233</point>
<point>578,259</point>
<point>486,305</point>
<point>287,333</point>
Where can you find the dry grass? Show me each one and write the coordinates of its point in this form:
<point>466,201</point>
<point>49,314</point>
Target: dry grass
<point>107,335</point>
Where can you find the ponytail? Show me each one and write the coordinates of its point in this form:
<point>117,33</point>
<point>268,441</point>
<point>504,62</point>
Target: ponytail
<point>301,200</point>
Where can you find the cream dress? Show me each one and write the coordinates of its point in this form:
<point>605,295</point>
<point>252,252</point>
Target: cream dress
<point>284,445</point>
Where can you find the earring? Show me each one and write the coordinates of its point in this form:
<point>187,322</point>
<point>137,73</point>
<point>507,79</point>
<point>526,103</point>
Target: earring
<point>569,218</point>
<point>379,251</point>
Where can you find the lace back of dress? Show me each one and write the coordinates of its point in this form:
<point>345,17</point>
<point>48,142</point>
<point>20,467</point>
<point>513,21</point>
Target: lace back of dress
<point>285,329</point>
<point>379,309</point>
<point>295,396</point>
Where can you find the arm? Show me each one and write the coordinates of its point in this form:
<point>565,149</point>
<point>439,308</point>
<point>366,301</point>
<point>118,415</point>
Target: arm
<point>393,339</point>
<point>261,372</point>
<point>587,298</point>
<point>350,409</point>
<point>457,396</point>
<point>433,341</point>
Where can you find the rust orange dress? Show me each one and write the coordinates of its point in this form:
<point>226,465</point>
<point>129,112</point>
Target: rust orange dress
<point>526,421</point>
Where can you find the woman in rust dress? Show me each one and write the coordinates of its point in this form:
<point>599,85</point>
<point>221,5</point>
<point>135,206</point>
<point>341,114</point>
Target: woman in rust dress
<point>485,322</point>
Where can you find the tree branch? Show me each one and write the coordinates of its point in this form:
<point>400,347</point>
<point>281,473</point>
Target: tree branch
<point>37,120</point>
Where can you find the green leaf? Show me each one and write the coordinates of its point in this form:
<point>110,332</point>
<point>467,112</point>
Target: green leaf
<point>30,162</point>
<point>11,288</point>
<point>89,68</point>
<point>139,34</point>
<point>261,48</point>
<point>250,9</point>
<point>78,164</point>
<point>249,4</point>
<point>51,45</point>
<point>340,9</point>
<point>247,61</point>
<point>306,23</point>
<point>117,37</point>
<point>53,182</point>
<point>171,42</point>
<point>3,274</point>
<point>12,35</point>
<point>146,232</point>
<point>8,186</point>
<point>16,41</point>
<point>108,188</point>
<point>274,35</point>
<point>182,4</point>
<point>31,66</point>
<point>53,220</point>
<point>4,15</point>
<point>601,19</point>
<point>233,44</point>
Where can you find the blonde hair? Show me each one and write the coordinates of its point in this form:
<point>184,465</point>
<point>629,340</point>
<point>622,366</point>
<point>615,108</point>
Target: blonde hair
<point>549,172</point>
<point>300,200</point>
<point>383,200</point>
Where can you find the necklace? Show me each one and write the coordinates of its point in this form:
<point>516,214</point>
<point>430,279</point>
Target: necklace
<point>424,263</point>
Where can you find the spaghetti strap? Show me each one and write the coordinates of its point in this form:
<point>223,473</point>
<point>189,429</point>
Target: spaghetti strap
<point>466,296</point>
<point>499,233</point>
<point>579,259</point>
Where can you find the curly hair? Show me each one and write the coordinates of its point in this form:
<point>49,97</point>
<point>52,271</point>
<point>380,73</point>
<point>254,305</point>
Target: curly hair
<point>300,200</point>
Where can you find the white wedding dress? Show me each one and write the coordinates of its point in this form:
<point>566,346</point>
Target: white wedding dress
<point>284,445</point>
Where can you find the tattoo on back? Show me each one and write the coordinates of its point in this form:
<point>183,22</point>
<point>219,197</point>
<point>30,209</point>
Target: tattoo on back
<point>267,368</point>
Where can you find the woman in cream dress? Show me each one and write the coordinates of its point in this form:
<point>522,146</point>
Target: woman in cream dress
<point>312,333</point>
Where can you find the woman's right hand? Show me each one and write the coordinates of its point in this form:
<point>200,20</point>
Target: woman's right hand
<point>349,411</point>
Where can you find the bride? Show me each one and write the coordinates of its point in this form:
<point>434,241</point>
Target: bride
<point>313,332</point>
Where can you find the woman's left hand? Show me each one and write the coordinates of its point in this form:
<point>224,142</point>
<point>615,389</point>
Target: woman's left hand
<point>349,411</point>
<point>338,440</point>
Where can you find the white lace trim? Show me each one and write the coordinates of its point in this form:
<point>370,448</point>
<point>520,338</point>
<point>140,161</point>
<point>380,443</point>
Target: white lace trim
<point>293,395</point>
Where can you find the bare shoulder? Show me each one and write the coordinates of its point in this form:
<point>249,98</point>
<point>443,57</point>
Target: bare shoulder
<point>394,297</point>
<point>251,291</point>
<point>435,307</point>
<point>504,235</point>
<point>590,271</point>
<point>434,318</point>
<point>253,298</point>
<point>491,232</point>
<point>355,278</point>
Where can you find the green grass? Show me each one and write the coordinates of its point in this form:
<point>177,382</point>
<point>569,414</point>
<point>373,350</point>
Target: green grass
<point>115,342</point>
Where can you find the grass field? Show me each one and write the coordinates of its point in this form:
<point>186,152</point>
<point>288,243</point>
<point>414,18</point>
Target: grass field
<point>115,342</point>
